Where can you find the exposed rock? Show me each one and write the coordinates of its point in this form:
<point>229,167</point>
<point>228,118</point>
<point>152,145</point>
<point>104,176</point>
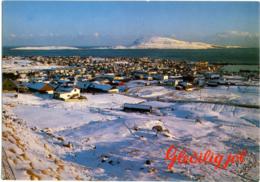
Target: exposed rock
<point>198,120</point>
<point>152,170</point>
<point>60,138</point>
<point>148,162</point>
<point>34,128</point>
<point>104,158</point>
<point>69,145</point>
<point>157,128</point>
<point>135,128</point>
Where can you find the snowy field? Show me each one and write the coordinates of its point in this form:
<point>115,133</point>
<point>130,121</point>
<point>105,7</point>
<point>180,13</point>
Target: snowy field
<point>231,94</point>
<point>17,64</point>
<point>109,144</point>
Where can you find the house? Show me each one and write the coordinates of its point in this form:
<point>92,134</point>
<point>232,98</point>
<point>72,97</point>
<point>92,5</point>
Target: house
<point>83,85</point>
<point>52,83</point>
<point>98,87</point>
<point>222,81</point>
<point>40,87</point>
<point>119,78</point>
<point>137,107</point>
<point>203,64</point>
<point>171,82</point>
<point>212,76</point>
<point>149,78</point>
<point>139,74</point>
<point>22,80</point>
<point>102,80</point>
<point>160,77</point>
<point>65,93</point>
<point>121,88</point>
<point>188,78</point>
<point>22,76</point>
<point>184,85</point>
<point>212,83</point>
<point>65,81</point>
<point>200,82</point>
<point>118,83</point>
<point>113,90</point>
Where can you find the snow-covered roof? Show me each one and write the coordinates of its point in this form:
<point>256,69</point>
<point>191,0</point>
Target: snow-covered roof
<point>103,87</point>
<point>36,85</point>
<point>83,84</point>
<point>65,89</point>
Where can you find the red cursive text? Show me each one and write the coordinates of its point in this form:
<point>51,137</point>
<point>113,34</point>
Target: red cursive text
<point>175,155</point>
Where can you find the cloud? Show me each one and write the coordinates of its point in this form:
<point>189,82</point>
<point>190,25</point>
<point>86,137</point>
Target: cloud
<point>234,37</point>
<point>234,33</point>
<point>96,34</point>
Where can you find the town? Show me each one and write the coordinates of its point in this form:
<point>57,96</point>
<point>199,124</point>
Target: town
<point>85,107</point>
<point>130,91</point>
<point>66,77</point>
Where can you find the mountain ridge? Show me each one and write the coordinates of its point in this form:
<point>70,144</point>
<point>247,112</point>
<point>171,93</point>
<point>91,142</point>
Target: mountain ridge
<point>170,43</point>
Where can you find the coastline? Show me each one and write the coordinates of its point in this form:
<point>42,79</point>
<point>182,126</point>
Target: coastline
<point>244,56</point>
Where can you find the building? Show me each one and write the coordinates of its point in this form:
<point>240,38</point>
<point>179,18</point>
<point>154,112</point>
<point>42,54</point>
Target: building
<point>83,85</point>
<point>66,93</point>
<point>137,107</point>
<point>212,83</point>
<point>98,87</point>
<point>160,77</point>
<point>212,76</point>
<point>184,86</point>
<point>40,87</point>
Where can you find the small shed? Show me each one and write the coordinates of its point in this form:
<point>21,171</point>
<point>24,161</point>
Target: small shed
<point>137,107</point>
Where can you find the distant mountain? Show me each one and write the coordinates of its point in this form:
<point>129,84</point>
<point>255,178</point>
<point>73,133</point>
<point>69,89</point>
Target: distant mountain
<point>170,43</point>
<point>46,48</point>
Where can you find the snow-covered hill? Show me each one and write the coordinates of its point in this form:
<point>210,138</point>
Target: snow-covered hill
<point>46,48</point>
<point>110,144</point>
<point>170,43</point>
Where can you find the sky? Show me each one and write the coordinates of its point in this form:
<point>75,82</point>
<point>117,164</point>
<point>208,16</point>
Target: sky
<point>121,23</point>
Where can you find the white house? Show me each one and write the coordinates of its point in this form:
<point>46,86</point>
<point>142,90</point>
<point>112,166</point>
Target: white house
<point>66,93</point>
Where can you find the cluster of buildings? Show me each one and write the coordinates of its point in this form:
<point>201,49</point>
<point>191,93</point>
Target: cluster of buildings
<point>109,75</point>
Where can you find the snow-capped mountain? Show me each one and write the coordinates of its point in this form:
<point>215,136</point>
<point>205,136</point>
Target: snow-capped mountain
<point>169,43</point>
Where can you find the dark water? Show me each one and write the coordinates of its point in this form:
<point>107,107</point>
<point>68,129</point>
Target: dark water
<point>229,56</point>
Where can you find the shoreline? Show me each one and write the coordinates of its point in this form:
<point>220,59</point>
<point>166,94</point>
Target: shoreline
<point>248,56</point>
